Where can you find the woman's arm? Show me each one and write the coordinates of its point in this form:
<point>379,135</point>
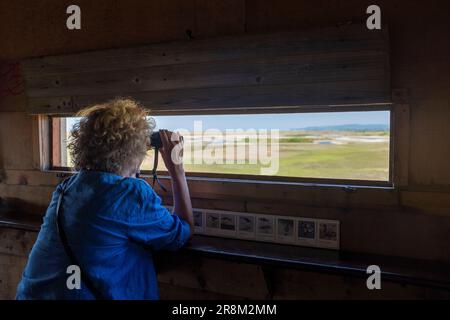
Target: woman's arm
<point>171,153</point>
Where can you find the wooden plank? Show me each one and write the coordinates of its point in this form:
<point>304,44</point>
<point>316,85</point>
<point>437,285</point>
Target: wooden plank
<point>219,192</point>
<point>27,199</point>
<point>30,178</point>
<point>400,146</point>
<point>105,24</point>
<point>13,103</point>
<point>307,68</point>
<point>56,142</point>
<point>217,204</point>
<point>15,140</point>
<point>227,99</point>
<point>320,40</point>
<point>11,268</point>
<point>16,242</point>
<point>210,19</point>
<point>36,142</point>
<point>430,147</point>
<point>431,202</point>
<point>360,227</point>
<point>171,292</point>
<point>311,196</point>
<point>362,213</point>
<point>294,284</point>
<point>218,276</point>
<point>41,142</point>
<point>338,66</point>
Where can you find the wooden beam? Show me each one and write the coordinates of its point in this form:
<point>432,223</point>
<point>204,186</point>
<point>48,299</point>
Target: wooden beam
<point>337,66</point>
<point>243,99</point>
<point>222,190</point>
<point>400,146</point>
<point>293,69</point>
<point>41,140</point>
<point>307,41</point>
<point>56,142</point>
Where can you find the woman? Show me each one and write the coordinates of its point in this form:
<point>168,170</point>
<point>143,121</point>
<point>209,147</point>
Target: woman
<point>112,220</point>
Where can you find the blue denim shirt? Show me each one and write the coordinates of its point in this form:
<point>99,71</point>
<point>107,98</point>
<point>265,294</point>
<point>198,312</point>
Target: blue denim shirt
<point>113,224</point>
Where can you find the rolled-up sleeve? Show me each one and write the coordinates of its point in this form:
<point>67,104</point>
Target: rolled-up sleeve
<point>155,226</point>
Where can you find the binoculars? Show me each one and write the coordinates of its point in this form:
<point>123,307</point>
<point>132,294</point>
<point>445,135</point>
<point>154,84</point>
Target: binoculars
<point>156,143</point>
<point>155,140</point>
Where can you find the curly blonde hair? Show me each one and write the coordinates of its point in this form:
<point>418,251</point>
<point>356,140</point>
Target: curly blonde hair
<point>112,137</point>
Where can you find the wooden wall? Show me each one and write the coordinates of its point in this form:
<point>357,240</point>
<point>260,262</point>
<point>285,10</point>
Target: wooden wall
<point>14,248</point>
<point>312,68</point>
<point>411,222</point>
<point>194,277</point>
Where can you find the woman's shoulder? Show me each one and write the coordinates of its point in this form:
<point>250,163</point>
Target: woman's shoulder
<point>139,187</point>
<point>106,185</point>
<point>139,184</point>
<point>107,178</point>
<point>140,200</point>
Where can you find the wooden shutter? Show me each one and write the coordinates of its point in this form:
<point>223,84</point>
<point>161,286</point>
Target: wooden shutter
<point>332,67</point>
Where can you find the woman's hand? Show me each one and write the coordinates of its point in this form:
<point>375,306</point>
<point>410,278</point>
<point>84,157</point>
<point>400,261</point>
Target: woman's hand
<point>172,152</point>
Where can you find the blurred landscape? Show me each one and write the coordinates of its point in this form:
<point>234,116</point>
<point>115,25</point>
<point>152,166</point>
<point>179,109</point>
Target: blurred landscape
<point>316,145</point>
<point>337,153</point>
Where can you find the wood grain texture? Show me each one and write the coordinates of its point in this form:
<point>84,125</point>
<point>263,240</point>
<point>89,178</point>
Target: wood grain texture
<point>189,276</point>
<point>16,242</point>
<point>11,268</point>
<point>16,147</point>
<point>419,50</point>
<point>27,199</point>
<point>324,67</point>
<point>217,276</point>
<point>217,192</point>
<point>109,24</point>
<point>169,291</point>
<point>342,39</point>
<point>15,245</point>
<point>401,141</point>
<point>300,285</point>
<point>230,100</point>
<point>311,68</point>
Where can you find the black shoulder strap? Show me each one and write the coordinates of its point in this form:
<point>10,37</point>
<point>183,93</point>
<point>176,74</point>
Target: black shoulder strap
<point>73,259</point>
<point>154,174</point>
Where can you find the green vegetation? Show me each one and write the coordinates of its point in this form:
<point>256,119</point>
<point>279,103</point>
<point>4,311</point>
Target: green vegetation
<point>317,154</point>
<point>296,140</point>
<point>354,151</point>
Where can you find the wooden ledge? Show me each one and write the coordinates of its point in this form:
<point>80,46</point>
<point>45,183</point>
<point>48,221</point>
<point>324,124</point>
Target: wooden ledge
<point>394,269</point>
<point>20,221</point>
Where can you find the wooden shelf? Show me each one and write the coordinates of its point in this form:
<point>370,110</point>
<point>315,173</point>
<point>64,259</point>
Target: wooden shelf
<point>395,269</point>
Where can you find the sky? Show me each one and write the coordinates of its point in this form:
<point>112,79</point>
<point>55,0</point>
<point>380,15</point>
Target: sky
<point>270,121</point>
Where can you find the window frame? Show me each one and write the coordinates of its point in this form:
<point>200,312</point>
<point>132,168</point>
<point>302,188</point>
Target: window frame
<point>55,146</point>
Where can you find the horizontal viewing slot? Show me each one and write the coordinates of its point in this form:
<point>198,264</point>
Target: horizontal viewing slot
<point>350,145</point>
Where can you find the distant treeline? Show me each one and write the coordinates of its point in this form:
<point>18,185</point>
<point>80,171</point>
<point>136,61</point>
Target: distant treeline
<point>348,127</point>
